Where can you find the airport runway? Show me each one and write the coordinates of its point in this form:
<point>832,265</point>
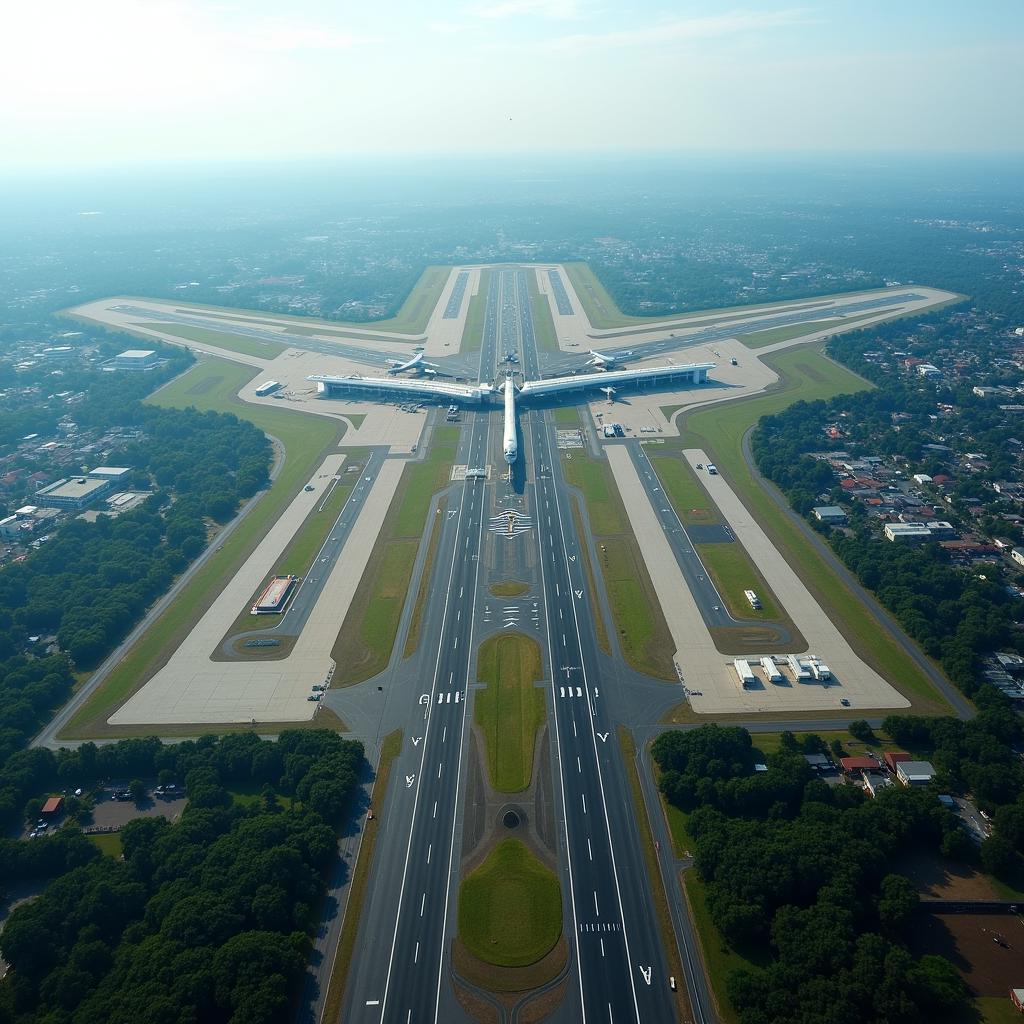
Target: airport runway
<point>621,973</point>
<point>562,363</point>
<point>400,971</point>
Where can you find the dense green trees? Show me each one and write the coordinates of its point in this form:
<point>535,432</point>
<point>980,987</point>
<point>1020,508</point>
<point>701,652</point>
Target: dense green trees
<point>797,874</point>
<point>206,919</point>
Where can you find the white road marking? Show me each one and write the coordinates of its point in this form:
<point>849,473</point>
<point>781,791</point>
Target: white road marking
<point>439,771</point>
<point>373,1002</point>
<point>435,809</point>
<point>583,797</point>
<point>444,734</point>
<point>602,946</point>
<point>579,767</point>
<point>574,727</point>
<point>597,909</point>
<point>430,850</point>
<point>589,850</point>
<point>423,903</point>
<point>416,955</point>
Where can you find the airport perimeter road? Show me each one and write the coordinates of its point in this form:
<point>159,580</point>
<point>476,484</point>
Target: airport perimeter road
<point>621,968</point>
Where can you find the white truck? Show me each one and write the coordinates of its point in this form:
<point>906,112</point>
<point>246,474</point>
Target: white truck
<point>755,601</point>
<point>745,672</point>
<point>800,671</point>
<point>771,670</point>
<point>821,671</point>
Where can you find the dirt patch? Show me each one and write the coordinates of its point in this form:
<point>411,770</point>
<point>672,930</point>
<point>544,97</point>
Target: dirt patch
<point>542,1006</point>
<point>206,384</point>
<point>509,588</point>
<point>811,371</point>
<point>946,880</point>
<point>509,979</point>
<point>475,1007</point>
<point>986,949</point>
<point>243,653</point>
<point>749,640</point>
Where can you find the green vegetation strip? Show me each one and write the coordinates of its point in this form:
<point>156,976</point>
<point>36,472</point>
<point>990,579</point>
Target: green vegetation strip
<point>473,328</point>
<point>509,588</point>
<point>211,384</point>
<point>643,633</point>
<point>567,416</point>
<point>367,638</point>
<point>691,501</point>
<point>592,595</point>
<point>806,375</point>
<point>412,640</point>
<point>220,339</point>
<point>510,908</point>
<point>719,958</point>
<point>389,750</point>
<point>668,937</point>
<point>733,572</point>
<point>543,325</point>
<point>772,335</point>
<point>511,709</point>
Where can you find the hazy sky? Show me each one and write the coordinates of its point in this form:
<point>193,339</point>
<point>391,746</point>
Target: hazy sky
<point>109,81</point>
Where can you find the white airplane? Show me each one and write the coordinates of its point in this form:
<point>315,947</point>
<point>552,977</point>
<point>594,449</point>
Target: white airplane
<point>603,360</point>
<point>416,363</point>
<point>610,393</point>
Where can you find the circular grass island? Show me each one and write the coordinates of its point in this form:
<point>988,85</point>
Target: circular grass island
<point>510,908</point>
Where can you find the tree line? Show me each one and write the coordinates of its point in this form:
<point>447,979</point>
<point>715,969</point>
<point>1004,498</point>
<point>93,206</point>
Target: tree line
<point>798,880</point>
<point>206,919</point>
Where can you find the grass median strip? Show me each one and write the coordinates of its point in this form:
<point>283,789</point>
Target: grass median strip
<point>543,325</point>
<point>367,637</point>
<point>473,328</point>
<point>639,622</point>
<point>389,750</point>
<point>412,640</point>
<point>220,339</point>
<point>211,385</point>
<point>592,595</point>
<point>806,374</point>
<point>510,907</point>
<point>511,709</point>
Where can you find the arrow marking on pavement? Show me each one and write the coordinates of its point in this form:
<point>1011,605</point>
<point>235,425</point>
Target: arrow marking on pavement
<point>416,740</point>
<point>646,972</point>
<point>409,780</point>
<point>603,737</point>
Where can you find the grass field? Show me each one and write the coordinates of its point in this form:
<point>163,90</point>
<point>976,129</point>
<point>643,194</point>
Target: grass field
<point>108,843</point>
<point>510,908</point>
<point>511,709</point>
<point>390,748</point>
<point>692,504</point>
<point>212,385</point>
<point>733,572</point>
<point>772,335</point>
<point>643,633</point>
<point>250,794</point>
<point>508,588</point>
<point>412,639</point>
<point>473,328</point>
<point>567,416</point>
<point>543,325</point>
<point>719,430</point>
<point>220,339</point>
<point>367,638</point>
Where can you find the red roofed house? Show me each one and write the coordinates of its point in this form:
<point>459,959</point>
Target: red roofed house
<point>858,764</point>
<point>893,758</point>
<point>53,805</point>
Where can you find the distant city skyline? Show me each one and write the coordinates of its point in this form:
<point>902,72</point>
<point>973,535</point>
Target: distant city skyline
<point>126,81</point>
